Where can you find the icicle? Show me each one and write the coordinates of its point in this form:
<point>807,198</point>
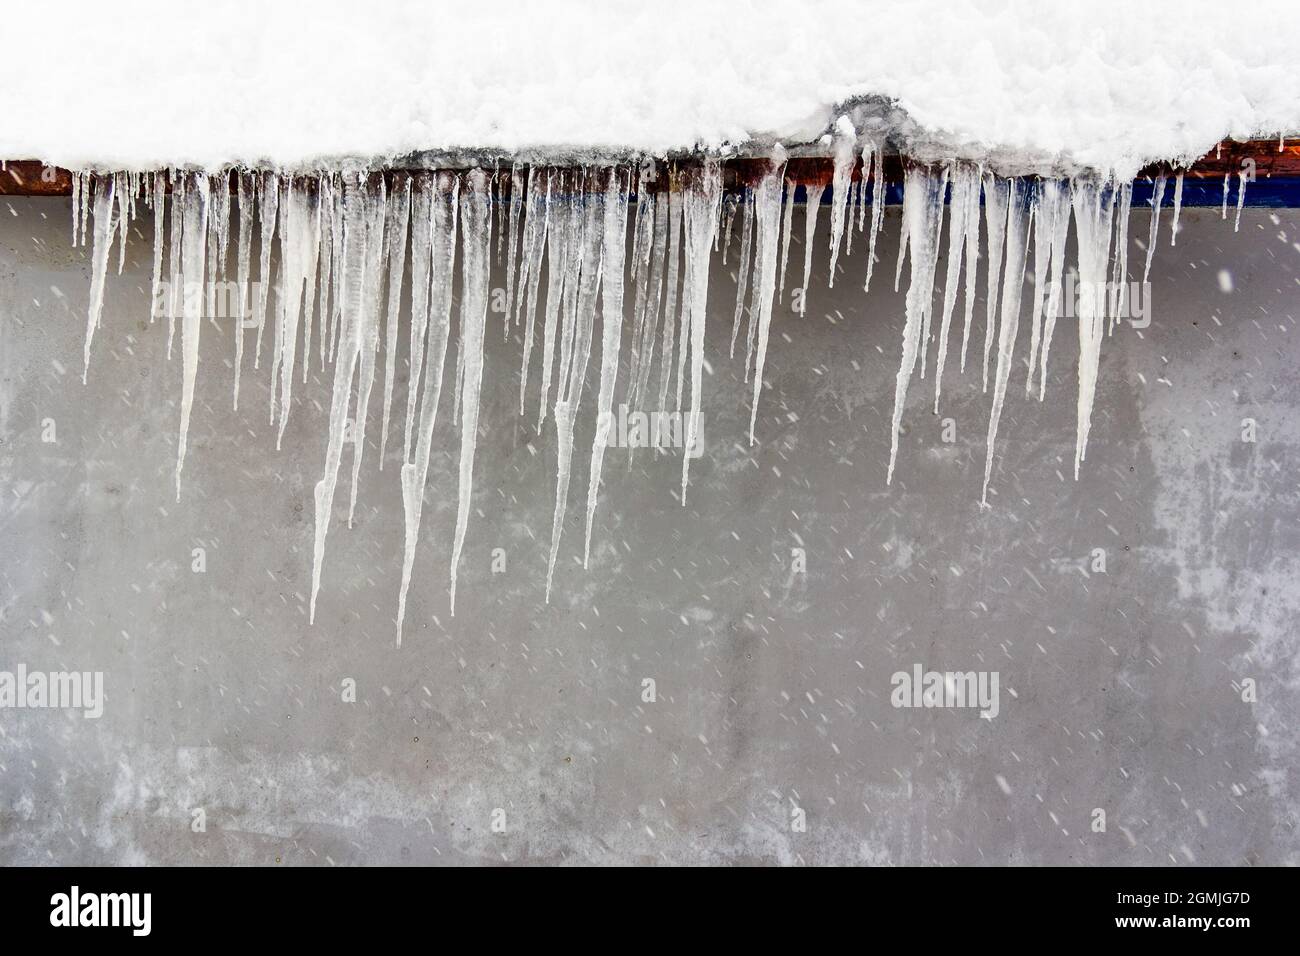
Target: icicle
<point>965,179</point>
<point>562,245</point>
<point>611,324</point>
<point>938,236</point>
<point>1093,209</point>
<point>174,265</point>
<point>422,205</point>
<point>536,224</point>
<point>650,325</point>
<point>1157,200</point>
<point>863,202</point>
<point>855,201</point>
<point>444,219</point>
<point>639,224</point>
<point>1046,206</point>
<point>560,238</point>
<point>902,257</point>
<point>642,244</point>
<point>159,203</point>
<point>310,274</point>
<point>86,181</point>
<point>922,197</point>
<point>194,199</point>
<point>277,350</point>
<point>475,268</point>
<point>1227,178</point>
<point>399,212</point>
<point>1060,216</point>
<point>787,220</point>
<point>268,201</point>
<point>329,228</point>
<point>243,256</point>
<point>298,237</point>
<point>702,200</point>
<point>742,268</point>
<point>368,328</point>
<point>104,229</point>
<point>512,241</point>
<point>730,205</point>
<point>997,193</point>
<point>972,257</point>
<point>844,157</point>
<point>1178,207</point>
<point>354,213</point>
<point>1012,284</point>
<point>1119,277</point>
<point>767,203</point>
<point>122,188</point>
<point>78,201</point>
<point>335,322</point>
<point>683,330</point>
<point>580,322</point>
<point>670,304</point>
<point>494,207</point>
<point>220,223</point>
<point>812,203</point>
<point>1241,199</point>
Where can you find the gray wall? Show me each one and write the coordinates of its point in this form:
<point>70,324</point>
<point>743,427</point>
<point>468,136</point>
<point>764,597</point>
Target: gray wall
<point>1118,690</point>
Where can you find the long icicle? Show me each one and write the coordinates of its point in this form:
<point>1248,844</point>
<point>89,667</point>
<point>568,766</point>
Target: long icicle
<point>368,331</point>
<point>1012,283</point>
<point>1093,211</point>
<point>1043,225</point>
<point>104,206</point>
<point>536,224</point>
<point>964,179</point>
<point>354,204</point>
<point>1060,232</point>
<point>243,259</point>
<point>812,203</point>
<point>399,211</point>
<point>476,238</point>
<point>422,202</point>
<point>569,388</point>
<point>1157,200</point>
<point>297,240</point>
<point>194,200</point>
<point>972,259</point>
<point>768,208</point>
<point>611,325</point>
<point>703,199</point>
<point>743,267</point>
<point>843,151</point>
<point>445,204</point>
<point>996,194</point>
<point>922,197</point>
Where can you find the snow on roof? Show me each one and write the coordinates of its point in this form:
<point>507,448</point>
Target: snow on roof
<point>1103,84</point>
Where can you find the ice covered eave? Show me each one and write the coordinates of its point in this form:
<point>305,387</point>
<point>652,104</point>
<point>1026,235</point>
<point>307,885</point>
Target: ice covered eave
<point>1274,165</point>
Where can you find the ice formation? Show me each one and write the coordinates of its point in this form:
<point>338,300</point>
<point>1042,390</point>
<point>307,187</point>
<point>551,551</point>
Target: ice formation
<point>618,242</point>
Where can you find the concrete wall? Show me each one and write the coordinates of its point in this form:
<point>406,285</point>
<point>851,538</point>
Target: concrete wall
<point>1119,690</point>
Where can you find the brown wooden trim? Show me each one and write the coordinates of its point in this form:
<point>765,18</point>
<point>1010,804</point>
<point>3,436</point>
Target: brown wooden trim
<point>30,178</point>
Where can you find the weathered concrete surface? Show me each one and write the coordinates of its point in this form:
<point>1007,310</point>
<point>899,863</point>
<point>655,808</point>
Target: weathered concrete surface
<point>1119,691</point>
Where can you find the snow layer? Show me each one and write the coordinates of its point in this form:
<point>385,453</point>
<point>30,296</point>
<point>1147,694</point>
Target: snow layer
<point>1102,84</point>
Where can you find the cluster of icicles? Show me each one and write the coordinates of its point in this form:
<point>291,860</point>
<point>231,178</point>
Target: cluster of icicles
<point>344,241</point>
